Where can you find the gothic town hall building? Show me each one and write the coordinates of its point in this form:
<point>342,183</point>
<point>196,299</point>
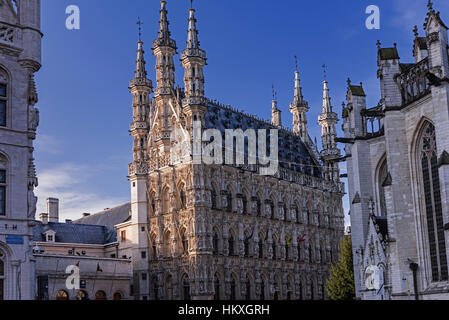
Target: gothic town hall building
<point>211,231</point>
<point>398,170</point>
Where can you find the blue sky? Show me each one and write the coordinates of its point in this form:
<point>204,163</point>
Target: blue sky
<point>83,146</point>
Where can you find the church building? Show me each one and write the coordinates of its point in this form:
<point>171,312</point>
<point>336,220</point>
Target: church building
<point>398,170</point>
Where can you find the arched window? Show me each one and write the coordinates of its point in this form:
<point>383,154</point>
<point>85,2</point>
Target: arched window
<point>3,99</point>
<point>185,243</point>
<point>285,213</point>
<point>231,243</point>
<point>62,295</point>
<point>310,253</point>
<point>233,290</point>
<point>301,297</point>
<point>245,205</point>
<point>262,290</point>
<point>82,295</point>
<point>430,186</point>
<point>246,246</point>
<point>383,173</point>
<point>298,220</point>
<point>248,289</point>
<point>215,242</point>
<point>287,251</point>
<point>214,198</point>
<point>165,201</point>
<point>153,249</point>
<point>2,190</point>
<point>260,248</point>
<point>2,276</point>
<point>182,195</point>
<point>259,207</point>
<point>117,296</point>
<point>229,200</point>
<point>167,246</point>
<point>100,295</point>
<point>153,206</point>
<point>274,249</point>
<point>155,288</point>
<point>312,293</point>
<point>216,287</point>
<point>272,212</point>
<point>169,288</point>
<point>186,288</point>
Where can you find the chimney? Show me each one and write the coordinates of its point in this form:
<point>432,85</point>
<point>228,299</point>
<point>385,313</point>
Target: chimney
<point>44,218</point>
<point>85,214</point>
<point>53,209</point>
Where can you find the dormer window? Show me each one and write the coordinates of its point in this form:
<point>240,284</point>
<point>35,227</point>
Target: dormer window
<point>50,236</point>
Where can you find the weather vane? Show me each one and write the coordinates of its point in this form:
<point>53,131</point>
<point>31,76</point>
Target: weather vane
<point>296,62</point>
<point>274,92</point>
<point>191,4</point>
<point>139,23</point>
<point>325,70</point>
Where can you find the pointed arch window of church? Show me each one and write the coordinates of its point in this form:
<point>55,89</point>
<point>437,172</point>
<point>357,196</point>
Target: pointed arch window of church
<point>248,289</point>
<point>231,243</point>
<point>166,201</point>
<point>274,250</point>
<point>233,290</point>
<point>2,192</point>
<point>246,247</point>
<point>245,205</point>
<point>186,288</point>
<point>383,173</point>
<point>229,200</point>
<point>216,287</point>
<point>215,242</point>
<point>259,207</point>
<point>430,183</point>
<point>183,197</point>
<point>260,248</point>
<point>2,276</point>
<point>185,243</point>
<point>3,104</point>
<point>214,198</point>
<point>153,250</point>
<point>262,290</point>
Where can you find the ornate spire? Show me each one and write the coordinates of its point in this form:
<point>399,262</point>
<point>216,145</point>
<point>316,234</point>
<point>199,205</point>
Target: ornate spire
<point>164,32</point>
<point>193,60</point>
<point>140,74</point>
<point>299,108</point>
<point>327,120</point>
<point>327,108</point>
<point>276,119</point>
<point>164,48</point>
<point>192,34</point>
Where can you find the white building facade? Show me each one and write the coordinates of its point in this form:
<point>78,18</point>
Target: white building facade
<point>20,58</point>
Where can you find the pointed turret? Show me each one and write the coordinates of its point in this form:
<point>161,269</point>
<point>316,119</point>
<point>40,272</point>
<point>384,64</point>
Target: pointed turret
<point>276,119</point>
<point>330,153</point>
<point>164,48</point>
<point>140,87</point>
<point>299,108</point>
<point>193,60</point>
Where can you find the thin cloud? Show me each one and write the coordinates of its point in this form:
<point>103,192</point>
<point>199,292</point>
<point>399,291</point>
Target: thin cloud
<point>72,185</point>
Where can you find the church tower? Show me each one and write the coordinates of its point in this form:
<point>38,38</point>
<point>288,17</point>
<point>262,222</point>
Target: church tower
<point>140,87</point>
<point>20,59</point>
<point>164,48</point>
<point>193,60</point>
<point>330,153</point>
<point>299,108</point>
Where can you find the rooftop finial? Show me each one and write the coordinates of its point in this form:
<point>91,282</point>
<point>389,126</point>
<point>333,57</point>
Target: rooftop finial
<point>430,5</point>
<point>191,4</point>
<point>296,62</point>
<point>415,31</point>
<point>378,44</point>
<point>140,23</point>
<point>274,92</point>
<point>348,81</point>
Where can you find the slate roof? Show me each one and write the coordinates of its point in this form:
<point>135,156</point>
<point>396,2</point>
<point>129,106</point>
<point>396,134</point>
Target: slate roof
<point>108,217</point>
<point>388,53</point>
<point>293,153</point>
<point>357,91</point>
<point>76,233</point>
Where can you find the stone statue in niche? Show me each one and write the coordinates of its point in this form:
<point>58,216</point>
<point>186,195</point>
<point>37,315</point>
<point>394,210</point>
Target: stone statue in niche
<point>32,202</point>
<point>33,118</point>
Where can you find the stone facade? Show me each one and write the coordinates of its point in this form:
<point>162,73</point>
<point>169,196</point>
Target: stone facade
<point>398,171</point>
<point>211,231</point>
<point>20,58</point>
